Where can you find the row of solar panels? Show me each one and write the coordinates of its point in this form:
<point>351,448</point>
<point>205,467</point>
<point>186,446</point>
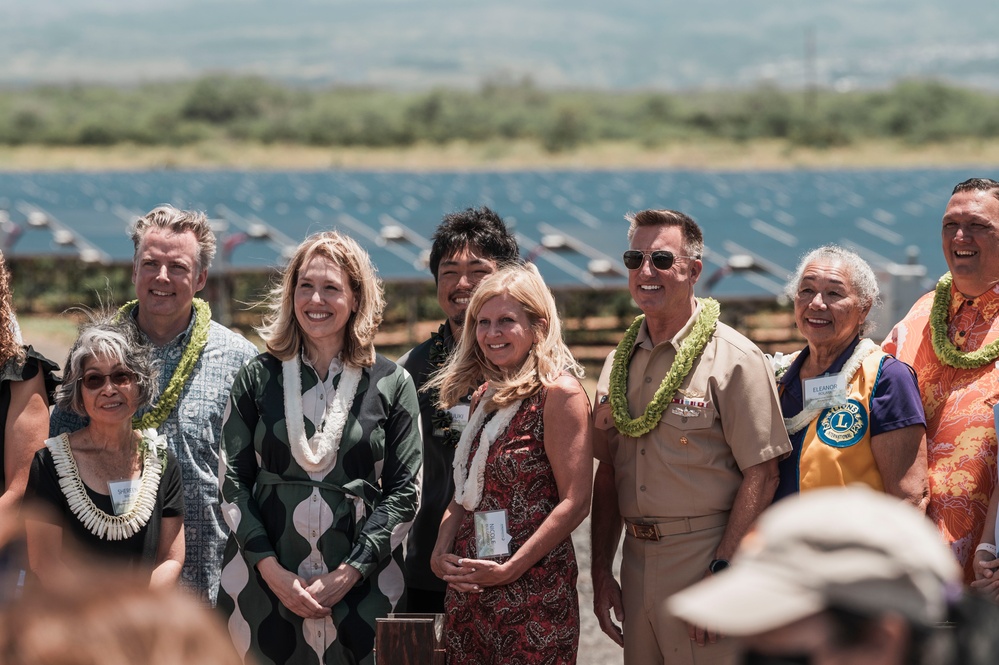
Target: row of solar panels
<point>570,223</point>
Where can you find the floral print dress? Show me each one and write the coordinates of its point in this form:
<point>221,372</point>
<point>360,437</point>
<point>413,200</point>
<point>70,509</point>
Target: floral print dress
<point>536,618</point>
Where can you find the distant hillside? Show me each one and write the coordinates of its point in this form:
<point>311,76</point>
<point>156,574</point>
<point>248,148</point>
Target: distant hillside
<point>666,44</point>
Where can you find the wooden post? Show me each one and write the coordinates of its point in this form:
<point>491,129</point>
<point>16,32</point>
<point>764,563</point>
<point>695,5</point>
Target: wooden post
<point>409,639</point>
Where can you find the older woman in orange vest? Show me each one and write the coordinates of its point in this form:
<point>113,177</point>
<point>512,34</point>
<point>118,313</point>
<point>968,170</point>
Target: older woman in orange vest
<point>852,411</point>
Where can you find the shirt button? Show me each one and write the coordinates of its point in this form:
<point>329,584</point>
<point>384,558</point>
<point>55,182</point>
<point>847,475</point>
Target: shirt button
<point>683,439</point>
<point>314,498</point>
<point>643,451</point>
<point>684,419</point>
<point>313,534</point>
<point>969,303</point>
<point>321,396</point>
<point>962,333</point>
<point>648,379</point>
<point>642,488</point>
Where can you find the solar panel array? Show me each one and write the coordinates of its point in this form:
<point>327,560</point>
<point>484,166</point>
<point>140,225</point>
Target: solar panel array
<point>571,223</point>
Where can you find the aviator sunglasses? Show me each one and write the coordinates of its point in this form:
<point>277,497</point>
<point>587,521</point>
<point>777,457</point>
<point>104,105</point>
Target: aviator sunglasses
<point>662,259</point>
<point>95,381</point>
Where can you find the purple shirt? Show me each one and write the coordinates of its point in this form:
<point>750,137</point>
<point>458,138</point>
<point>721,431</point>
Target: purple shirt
<point>894,405</point>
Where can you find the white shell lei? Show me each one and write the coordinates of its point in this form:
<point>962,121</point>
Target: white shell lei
<point>468,480</point>
<point>98,522</point>
<point>865,348</point>
<point>319,454</point>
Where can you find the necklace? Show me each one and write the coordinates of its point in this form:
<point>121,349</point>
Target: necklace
<point>441,419</point>
<point>799,422</point>
<point>167,401</point>
<point>468,478</point>
<point>319,454</point>
<point>152,449</point>
<point>942,346</point>
<point>691,348</point>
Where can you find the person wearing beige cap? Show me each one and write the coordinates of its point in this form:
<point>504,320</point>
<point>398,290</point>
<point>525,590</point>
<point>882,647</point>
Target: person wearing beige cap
<point>844,575</point>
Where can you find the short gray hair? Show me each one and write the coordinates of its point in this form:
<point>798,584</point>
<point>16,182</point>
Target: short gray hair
<point>104,336</point>
<point>859,272</point>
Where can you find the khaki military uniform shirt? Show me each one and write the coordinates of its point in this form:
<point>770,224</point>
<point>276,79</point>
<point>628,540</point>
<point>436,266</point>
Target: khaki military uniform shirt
<point>725,417</point>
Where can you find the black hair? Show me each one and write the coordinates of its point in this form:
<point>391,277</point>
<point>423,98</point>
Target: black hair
<point>477,227</point>
<point>977,185</point>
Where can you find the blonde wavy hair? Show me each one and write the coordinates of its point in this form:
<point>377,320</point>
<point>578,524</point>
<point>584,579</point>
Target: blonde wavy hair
<point>10,347</point>
<point>549,357</point>
<point>280,330</point>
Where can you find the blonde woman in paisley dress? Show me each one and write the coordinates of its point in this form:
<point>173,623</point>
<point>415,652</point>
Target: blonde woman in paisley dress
<point>523,468</point>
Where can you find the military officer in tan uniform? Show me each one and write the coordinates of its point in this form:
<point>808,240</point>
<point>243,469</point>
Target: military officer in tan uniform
<point>688,431</point>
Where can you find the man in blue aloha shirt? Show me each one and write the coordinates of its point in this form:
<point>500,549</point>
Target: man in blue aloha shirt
<point>198,360</point>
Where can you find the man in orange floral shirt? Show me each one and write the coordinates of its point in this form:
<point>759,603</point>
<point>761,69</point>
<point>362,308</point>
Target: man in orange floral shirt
<point>951,338</point>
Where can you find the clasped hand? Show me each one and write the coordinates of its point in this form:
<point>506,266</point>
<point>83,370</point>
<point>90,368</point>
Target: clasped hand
<point>312,598</point>
<point>986,569</point>
<point>470,575</point>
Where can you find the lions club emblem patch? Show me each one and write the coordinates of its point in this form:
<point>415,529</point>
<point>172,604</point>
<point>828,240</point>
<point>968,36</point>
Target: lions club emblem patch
<point>843,426</point>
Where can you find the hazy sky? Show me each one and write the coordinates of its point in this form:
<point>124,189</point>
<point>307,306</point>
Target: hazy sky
<point>420,43</point>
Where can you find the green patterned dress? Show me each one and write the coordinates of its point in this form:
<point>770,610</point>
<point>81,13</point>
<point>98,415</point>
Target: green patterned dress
<point>358,512</point>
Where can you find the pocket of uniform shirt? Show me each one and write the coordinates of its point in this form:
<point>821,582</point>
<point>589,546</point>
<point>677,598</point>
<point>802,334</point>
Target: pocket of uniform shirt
<point>686,417</point>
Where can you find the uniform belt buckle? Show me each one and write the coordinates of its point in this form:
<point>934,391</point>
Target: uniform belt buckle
<point>645,531</point>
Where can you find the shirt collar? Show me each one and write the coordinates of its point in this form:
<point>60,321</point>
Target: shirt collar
<point>336,365</point>
<point>837,365</point>
<point>645,341</point>
<point>987,303</point>
<point>179,339</point>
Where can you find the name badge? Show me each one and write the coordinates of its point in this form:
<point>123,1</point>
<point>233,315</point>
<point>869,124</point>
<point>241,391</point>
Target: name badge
<point>491,537</point>
<point>824,392</point>
<point>459,416</point>
<point>123,494</point>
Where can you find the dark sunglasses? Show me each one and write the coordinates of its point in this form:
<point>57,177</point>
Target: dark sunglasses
<point>95,381</point>
<point>662,259</point>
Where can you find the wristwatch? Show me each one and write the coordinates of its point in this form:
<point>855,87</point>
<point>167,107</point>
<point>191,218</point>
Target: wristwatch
<point>717,565</point>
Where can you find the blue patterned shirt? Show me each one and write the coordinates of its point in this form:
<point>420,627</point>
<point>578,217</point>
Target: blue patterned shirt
<point>194,429</point>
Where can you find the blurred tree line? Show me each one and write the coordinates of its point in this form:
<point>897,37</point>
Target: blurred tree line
<point>256,109</point>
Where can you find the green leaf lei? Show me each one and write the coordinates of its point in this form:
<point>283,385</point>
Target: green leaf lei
<point>441,419</point>
<point>691,348</point>
<point>944,348</point>
<point>195,345</point>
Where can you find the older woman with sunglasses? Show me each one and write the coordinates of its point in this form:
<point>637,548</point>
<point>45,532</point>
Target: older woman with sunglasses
<point>117,491</point>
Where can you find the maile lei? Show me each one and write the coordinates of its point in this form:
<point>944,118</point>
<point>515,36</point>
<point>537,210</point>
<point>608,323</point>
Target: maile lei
<point>799,422</point>
<point>944,348</point>
<point>167,401</point>
<point>152,449</point>
<point>468,478</point>
<point>441,420</point>
<point>319,454</point>
<point>691,348</point>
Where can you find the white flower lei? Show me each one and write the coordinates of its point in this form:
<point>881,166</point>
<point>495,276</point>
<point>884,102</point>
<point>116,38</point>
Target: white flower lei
<point>98,522</point>
<point>319,454</point>
<point>799,422</point>
<point>469,497</point>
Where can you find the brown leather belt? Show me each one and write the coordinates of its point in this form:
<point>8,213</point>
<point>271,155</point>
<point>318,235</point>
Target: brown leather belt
<point>673,527</point>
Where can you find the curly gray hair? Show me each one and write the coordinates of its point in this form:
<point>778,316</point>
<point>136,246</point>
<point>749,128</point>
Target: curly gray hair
<point>862,277</point>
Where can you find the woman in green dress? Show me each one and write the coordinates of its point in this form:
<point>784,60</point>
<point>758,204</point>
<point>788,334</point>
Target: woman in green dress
<point>319,468</point>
